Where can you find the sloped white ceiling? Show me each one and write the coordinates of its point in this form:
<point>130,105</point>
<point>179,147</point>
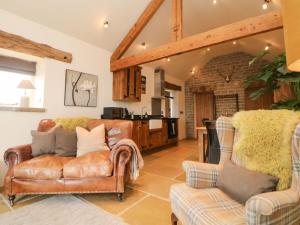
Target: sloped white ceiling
<point>84,20</point>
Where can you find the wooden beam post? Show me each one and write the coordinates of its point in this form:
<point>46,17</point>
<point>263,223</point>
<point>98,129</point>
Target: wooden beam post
<point>177,20</point>
<point>245,28</point>
<point>136,29</point>
<point>20,44</point>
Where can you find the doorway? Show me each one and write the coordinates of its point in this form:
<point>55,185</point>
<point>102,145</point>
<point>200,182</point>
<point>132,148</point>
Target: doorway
<point>204,107</point>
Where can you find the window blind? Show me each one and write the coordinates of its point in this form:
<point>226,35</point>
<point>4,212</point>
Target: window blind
<point>11,64</point>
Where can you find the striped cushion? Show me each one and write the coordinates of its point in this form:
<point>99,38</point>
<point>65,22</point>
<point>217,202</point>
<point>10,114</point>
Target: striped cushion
<point>208,206</point>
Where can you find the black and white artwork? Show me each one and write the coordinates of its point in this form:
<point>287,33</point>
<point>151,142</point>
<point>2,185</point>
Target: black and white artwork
<point>80,89</point>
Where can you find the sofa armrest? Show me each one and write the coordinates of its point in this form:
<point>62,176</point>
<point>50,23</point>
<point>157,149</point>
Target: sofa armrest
<point>120,156</point>
<point>201,175</point>
<point>18,154</point>
<point>267,204</point>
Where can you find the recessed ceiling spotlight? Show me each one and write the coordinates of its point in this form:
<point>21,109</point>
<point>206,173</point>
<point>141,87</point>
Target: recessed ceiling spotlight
<point>144,45</point>
<point>105,24</point>
<point>267,48</point>
<point>215,2</point>
<point>208,49</point>
<point>234,42</point>
<point>168,59</point>
<point>265,5</point>
<point>192,71</point>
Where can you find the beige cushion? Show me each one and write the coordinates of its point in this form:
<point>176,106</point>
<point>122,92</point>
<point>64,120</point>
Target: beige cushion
<point>43,142</point>
<point>90,165</point>
<point>41,168</point>
<point>90,141</point>
<point>66,142</point>
<point>241,184</point>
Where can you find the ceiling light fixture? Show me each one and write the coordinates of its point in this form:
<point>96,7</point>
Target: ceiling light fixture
<point>215,2</point>
<point>208,49</point>
<point>265,5</point>
<point>144,45</point>
<point>267,48</point>
<point>168,59</point>
<point>192,71</point>
<point>105,24</point>
<point>234,42</point>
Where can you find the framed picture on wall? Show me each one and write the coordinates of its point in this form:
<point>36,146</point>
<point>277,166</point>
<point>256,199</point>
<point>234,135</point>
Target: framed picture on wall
<point>143,84</point>
<point>80,89</point>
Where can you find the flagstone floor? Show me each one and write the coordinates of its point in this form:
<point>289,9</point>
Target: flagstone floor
<point>146,201</point>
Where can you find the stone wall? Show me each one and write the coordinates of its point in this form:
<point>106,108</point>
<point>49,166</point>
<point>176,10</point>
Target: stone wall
<point>212,78</point>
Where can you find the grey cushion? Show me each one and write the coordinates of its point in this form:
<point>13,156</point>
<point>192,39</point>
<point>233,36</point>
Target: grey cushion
<point>43,142</point>
<point>241,184</point>
<point>66,142</point>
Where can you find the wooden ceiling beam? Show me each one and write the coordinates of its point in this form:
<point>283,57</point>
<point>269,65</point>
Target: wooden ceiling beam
<point>245,28</point>
<point>136,29</point>
<point>20,44</point>
<point>177,20</point>
<point>172,86</point>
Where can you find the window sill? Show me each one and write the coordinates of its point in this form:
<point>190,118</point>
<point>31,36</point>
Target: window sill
<point>21,109</point>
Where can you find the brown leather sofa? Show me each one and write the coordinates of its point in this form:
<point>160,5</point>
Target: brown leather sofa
<point>51,174</point>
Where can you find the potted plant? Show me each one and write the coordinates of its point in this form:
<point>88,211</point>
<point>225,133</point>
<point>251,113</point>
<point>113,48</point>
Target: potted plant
<point>275,75</point>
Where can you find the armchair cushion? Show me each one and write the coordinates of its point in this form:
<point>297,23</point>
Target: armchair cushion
<point>253,183</point>
<point>201,175</point>
<point>205,206</point>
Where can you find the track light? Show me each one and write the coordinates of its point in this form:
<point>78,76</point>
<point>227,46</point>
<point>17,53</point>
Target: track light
<point>267,48</point>
<point>105,24</point>
<point>265,5</point>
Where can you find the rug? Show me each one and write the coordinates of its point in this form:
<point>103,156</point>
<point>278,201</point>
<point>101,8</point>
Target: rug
<point>60,210</point>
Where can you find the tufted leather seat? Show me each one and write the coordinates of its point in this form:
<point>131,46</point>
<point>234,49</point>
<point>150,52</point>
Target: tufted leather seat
<point>45,167</point>
<point>91,165</point>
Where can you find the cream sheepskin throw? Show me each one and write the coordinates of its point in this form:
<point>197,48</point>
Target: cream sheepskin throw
<point>264,143</point>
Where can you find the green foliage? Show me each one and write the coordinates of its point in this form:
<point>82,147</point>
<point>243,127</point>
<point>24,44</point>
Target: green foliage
<point>273,75</point>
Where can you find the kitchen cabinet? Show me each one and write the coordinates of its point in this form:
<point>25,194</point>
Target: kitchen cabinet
<point>146,138</point>
<point>127,84</point>
<point>140,133</point>
<point>155,138</point>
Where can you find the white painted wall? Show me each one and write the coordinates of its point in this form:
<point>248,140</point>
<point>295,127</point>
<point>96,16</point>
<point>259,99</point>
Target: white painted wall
<point>16,126</point>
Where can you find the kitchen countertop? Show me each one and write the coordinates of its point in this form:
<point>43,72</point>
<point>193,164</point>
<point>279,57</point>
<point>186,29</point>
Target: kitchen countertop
<point>149,118</point>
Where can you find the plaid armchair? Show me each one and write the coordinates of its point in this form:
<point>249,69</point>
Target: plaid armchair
<point>199,202</point>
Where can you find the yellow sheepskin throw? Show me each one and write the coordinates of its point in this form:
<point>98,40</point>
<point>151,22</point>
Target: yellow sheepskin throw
<point>264,143</point>
<point>71,123</point>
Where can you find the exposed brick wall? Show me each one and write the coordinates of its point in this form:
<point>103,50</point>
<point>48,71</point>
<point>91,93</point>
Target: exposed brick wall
<point>208,79</point>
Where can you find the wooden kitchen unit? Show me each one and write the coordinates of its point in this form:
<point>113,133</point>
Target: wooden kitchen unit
<point>147,139</point>
<point>127,84</point>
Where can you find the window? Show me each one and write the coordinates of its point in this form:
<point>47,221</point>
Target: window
<point>12,72</point>
<point>9,94</point>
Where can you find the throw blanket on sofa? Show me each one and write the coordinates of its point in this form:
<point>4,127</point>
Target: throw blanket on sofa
<point>136,162</point>
<point>265,136</point>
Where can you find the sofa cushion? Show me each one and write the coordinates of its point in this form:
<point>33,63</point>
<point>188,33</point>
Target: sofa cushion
<point>66,142</point>
<point>43,142</point>
<point>90,165</point>
<point>90,141</point>
<point>44,167</point>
